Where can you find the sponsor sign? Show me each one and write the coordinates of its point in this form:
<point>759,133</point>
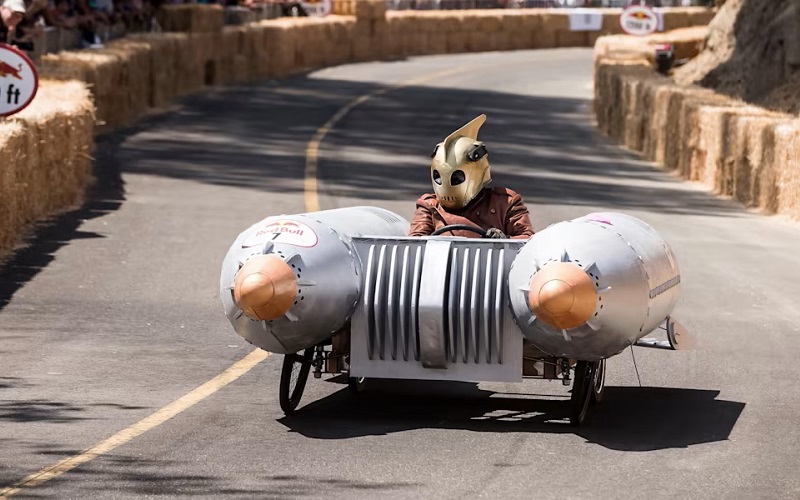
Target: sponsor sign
<point>585,20</point>
<point>285,231</point>
<point>18,80</point>
<point>639,20</point>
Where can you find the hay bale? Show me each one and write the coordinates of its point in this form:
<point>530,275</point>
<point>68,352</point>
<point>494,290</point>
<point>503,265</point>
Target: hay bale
<point>281,40</point>
<point>103,71</point>
<point>137,74</point>
<point>674,18</point>
<point>52,166</point>
<point>437,43</point>
<point>478,41</point>
<point>456,42</point>
<point>748,155</point>
<point>339,30</point>
<point>388,44</point>
<point>566,38</point>
<point>655,108</point>
<point>232,45</point>
<point>692,155</point>
<point>722,144</point>
<point>165,55</point>
<point>191,18</point>
<point>634,109</point>
<point>255,46</point>
<point>545,35</point>
<point>713,142</point>
<point>502,41</point>
<point>787,165</point>
<point>362,10</point>
<point>12,150</point>
<point>611,24</point>
<point>488,21</point>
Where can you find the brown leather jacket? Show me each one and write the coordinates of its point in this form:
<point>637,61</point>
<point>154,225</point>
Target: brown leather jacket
<point>497,207</point>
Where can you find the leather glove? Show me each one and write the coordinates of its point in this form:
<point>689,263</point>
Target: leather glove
<point>495,234</point>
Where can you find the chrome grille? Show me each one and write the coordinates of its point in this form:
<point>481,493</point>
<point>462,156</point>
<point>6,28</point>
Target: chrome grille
<point>462,281</point>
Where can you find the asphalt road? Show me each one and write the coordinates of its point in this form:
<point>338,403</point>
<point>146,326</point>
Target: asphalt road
<point>113,313</point>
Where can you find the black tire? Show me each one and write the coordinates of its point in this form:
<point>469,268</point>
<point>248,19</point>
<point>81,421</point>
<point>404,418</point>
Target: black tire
<point>356,385</point>
<point>294,376</point>
<point>599,386</point>
<point>582,392</point>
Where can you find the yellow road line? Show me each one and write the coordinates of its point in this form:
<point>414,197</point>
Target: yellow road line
<point>154,420</point>
<point>312,149</point>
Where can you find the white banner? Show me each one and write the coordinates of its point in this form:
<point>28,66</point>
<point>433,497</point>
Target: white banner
<point>585,20</point>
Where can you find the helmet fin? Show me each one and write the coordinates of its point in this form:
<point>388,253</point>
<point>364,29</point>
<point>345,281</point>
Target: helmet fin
<point>469,130</point>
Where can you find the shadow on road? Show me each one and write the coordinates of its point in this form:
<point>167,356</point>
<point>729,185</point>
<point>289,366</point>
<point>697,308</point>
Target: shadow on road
<point>546,148</point>
<point>630,419</point>
<point>106,195</point>
<point>158,478</point>
<point>255,137</point>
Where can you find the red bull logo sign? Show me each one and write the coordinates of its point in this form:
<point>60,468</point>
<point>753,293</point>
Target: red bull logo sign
<point>285,231</point>
<point>18,81</point>
<point>639,20</point>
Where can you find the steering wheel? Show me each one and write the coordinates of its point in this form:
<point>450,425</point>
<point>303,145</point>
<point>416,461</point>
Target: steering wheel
<point>460,227</point>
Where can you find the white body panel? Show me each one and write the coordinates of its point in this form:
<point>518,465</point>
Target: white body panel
<point>634,271</point>
<point>319,248</point>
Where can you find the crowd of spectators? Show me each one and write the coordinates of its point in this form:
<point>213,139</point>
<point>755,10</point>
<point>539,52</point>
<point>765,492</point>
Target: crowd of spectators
<point>21,21</point>
<point>92,19</point>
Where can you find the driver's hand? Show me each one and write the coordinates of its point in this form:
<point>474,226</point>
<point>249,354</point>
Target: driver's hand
<point>495,234</point>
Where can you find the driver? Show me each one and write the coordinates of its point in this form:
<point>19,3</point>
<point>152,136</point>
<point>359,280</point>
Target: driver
<point>460,173</point>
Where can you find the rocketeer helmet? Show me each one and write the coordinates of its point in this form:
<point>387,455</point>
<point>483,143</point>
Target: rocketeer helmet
<point>460,168</point>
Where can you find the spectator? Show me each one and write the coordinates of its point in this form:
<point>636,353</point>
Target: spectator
<point>33,23</point>
<point>70,14</point>
<point>12,12</point>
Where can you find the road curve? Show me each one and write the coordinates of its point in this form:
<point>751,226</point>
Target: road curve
<point>112,313</point>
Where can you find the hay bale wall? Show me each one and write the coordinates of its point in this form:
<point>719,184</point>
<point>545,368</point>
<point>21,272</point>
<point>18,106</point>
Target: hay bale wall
<point>46,151</point>
<point>738,150</point>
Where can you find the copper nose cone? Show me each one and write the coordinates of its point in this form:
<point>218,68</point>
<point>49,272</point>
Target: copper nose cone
<point>265,287</point>
<point>562,295</point>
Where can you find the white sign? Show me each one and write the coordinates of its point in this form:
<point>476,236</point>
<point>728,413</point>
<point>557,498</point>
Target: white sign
<point>316,8</point>
<point>18,80</point>
<point>639,20</point>
<point>282,231</point>
<point>585,20</point>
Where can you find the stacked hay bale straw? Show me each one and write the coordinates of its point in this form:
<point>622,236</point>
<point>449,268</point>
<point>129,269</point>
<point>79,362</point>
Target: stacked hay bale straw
<point>370,35</point>
<point>734,148</point>
<point>197,43</point>
<point>786,149</point>
<point>46,150</point>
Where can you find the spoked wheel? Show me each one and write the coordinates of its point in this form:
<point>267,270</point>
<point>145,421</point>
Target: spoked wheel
<point>356,385</point>
<point>583,389</point>
<point>294,376</point>
<point>599,386</point>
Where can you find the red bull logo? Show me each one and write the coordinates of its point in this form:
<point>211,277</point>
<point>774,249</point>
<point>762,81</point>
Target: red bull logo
<point>6,70</point>
<point>282,231</point>
<point>287,227</point>
<point>639,20</point>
